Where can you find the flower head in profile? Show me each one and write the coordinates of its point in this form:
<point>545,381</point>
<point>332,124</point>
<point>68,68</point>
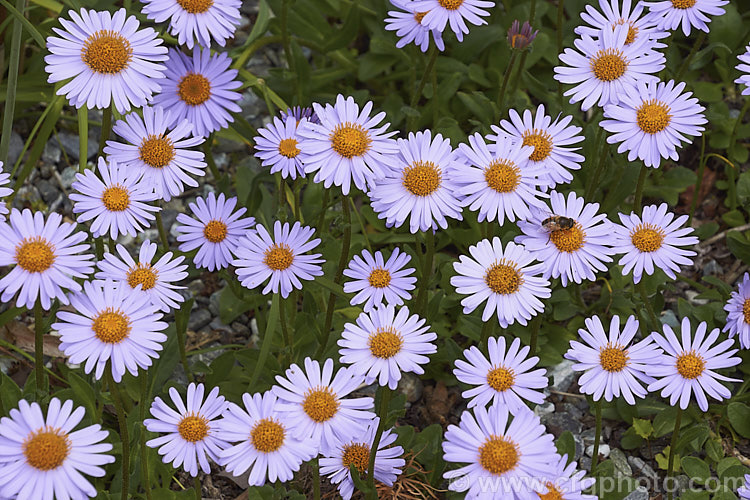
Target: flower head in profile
<point>744,67</point>
<point>689,365</point>
<point>200,88</point>
<point>299,113</point>
<point>4,191</point>
<point>281,259</point>
<point>554,152</point>
<point>189,432</point>
<point>383,344</point>
<point>420,186</point>
<point>407,23</point>
<point>110,60</point>
<point>156,280</point>
<point>671,14</point>
<point>453,13</point>
<point>652,241</point>
<point>347,145</point>
<point>520,37</point>
<point>265,443</point>
<point>653,120</point>
<point>46,257</point>
<point>744,491</point>
<point>574,253</point>
<point>509,447</point>
<point>505,378</point>
<point>738,313</point>
<point>642,30</point>
<point>215,230</point>
<point>315,405</point>
<point>197,22</point>
<point>45,458</point>
<point>112,328</point>
<point>375,280</point>
<point>117,202</point>
<point>566,483</point>
<point>505,279</point>
<point>277,146</point>
<point>163,156</point>
<point>355,451</point>
<point>612,364</point>
<point>601,69</point>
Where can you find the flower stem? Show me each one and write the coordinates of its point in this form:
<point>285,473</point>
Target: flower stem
<point>597,437</point>
<point>698,42</point>
<point>145,397</point>
<point>699,180</point>
<point>284,329</point>
<point>323,209</point>
<point>206,146</point>
<point>731,171</point>
<point>83,138</point>
<point>316,478</point>
<point>385,399</point>
<point>422,82</point>
<point>649,308</point>
<point>639,190</point>
<point>670,462</point>
<point>424,282</point>
<point>39,345</point>
<point>181,327</point>
<point>532,12</point>
<point>560,15</point>
<point>603,147</point>
<point>535,324</point>
<point>504,84</point>
<point>162,231</point>
<point>106,129</point>
<point>488,329</point>
<point>198,488</point>
<point>122,421</point>
<point>12,84</point>
<point>265,346</point>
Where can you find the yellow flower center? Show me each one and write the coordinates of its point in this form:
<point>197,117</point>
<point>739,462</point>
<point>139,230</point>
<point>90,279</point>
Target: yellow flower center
<point>279,257</point>
<point>568,240</point>
<point>106,51</point>
<point>609,65</point>
<point>111,326</point>
<point>385,343</point>
<point>194,89</point>
<point>350,139</point>
<point>504,277</point>
<point>501,379</point>
<point>690,365</point>
<point>632,30</point>
<point>419,16</point>
<point>552,493</point>
<point>746,310</point>
<point>195,6</point>
<point>267,435</point>
<point>542,142</point>
<point>288,148</point>
<point>653,116</point>
<point>498,455</point>
<point>422,178</point>
<point>144,275</point>
<point>357,454</point>
<point>156,151</point>
<point>613,358</point>
<point>35,255</point>
<point>503,176</point>
<point>379,278</point>
<point>320,404</point>
<point>647,237</point>
<point>193,428</point>
<point>683,4</point>
<point>450,4</point>
<point>46,449</point>
<point>215,231</point>
<point>116,198</point>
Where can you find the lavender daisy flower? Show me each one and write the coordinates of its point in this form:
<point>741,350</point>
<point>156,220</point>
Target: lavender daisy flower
<point>278,146</point>
<point>216,232</point>
<point>108,58</point>
<point>454,13</point>
<point>156,281</point>
<point>355,451</point>
<point>190,432</point>
<point>652,120</point>
<point>281,258</point>
<point>506,279</point>
<point>520,37</point>
<point>346,145</point>
<point>603,68</point>
<point>271,451</point>
<point>497,181</point>
<point>112,326</point>
<point>553,141</point>
<point>43,458</point>
<point>46,257</point>
<point>383,343</point>
<point>201,89</point>
<point>670,14</point>
<point>744,67</point>
<point>407,23</point>
<point>4,191</point>
<point>575,253</point>
<point>117,202</point>
<point>689,367</point>
<point>738,313</point>
<point>299,112</point>
<point>161,155</point>
<point>375,281</point>
<point>420,185</point>
<point>744,491</point>
<point>642,30</point>
<point>653,240</point>
<point>565,483</point>
<point>509,448</point>
<point>196,21</point>
<point>315,407</point>
<point>506,378</point>
<point>611,365</point>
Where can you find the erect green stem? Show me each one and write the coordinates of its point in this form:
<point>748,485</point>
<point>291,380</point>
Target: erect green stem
<point>265,347</point>
<point>123,423</point>
<point>649,308</point>
<point>12,84</point>
<point>535,324</point>
<point>698,42</point>
<point>559,29</point>
<point>316,478</point>
<point>83,138</point>
<point>504,84</point>
<point>181,321</point>
<point>731,171</point>
<point>198,488</point>
<point>210,158</point>
<point>638,198</point>
<point>145,397</point>
<point>699,180</point>
<point>39,345</point>
<point>424,281</point>
<point>422,82</point>
<point>673,444</point>
<point>594,183</point>
<point>323,209</point>
<point>597,437</point>
<point>162,232</point>
<point>532,12</point>
<point>488,328</point>
<point>284,329</point>
<point>106,129</point>
<point>385,399</point>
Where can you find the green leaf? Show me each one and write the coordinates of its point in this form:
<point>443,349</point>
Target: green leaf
<point>643,428</point>
<point>739,246</point>
<point>566,445</point>
<point>84,391</point>
<point>696,468</point>
<point>739,416</point>
<point>38,38</point>
<point>714,450</point>
<point>662,460</point>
